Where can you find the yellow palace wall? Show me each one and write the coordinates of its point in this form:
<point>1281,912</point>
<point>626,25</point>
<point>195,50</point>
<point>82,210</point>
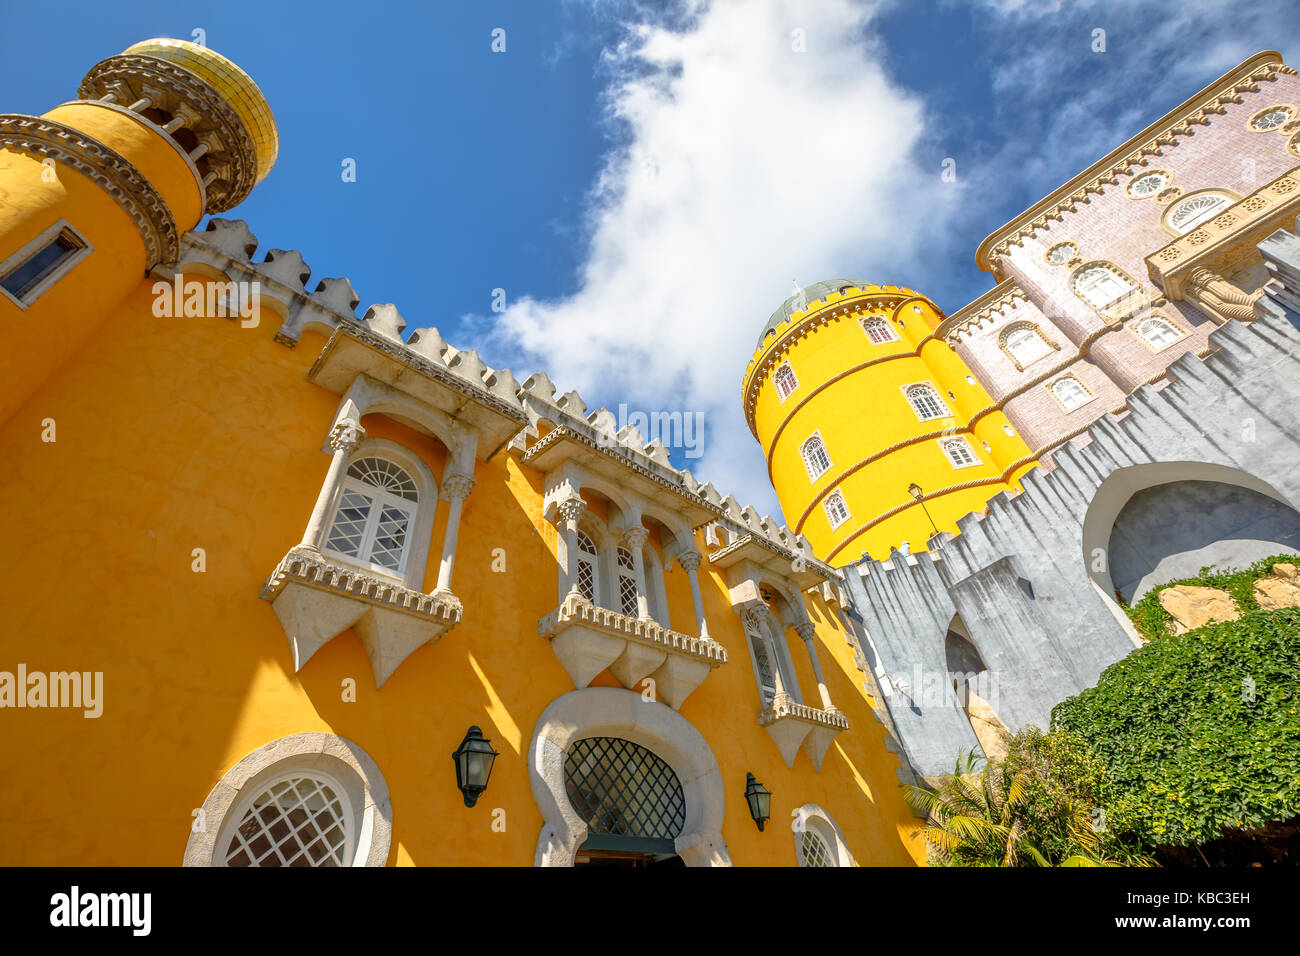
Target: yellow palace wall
<point>180,433</point>
<point>850,391</point>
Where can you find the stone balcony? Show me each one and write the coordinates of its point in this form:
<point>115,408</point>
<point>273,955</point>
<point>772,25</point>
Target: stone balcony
<point>317,597</point>
<point>588,639</point>
<point>793,725</point>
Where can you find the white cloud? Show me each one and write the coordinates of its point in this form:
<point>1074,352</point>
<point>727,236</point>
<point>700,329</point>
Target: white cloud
<point>745,165</point>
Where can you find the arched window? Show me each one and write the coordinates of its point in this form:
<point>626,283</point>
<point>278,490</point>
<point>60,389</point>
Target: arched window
<point>374,514</point>
<point>813,850</point>
<point>879,330</point>
<point>1157,332</point>
<point>785,381</point>
<point>837,511</point>
<point>1190,211</point>
<point>628,795</point>
<point>763,666</point>
<point>299,820</point>
<point>815,457</point>
<point>627,583</point>
<point>959,452</point>
<point>1102,285</point>
<point>588,558</point>
<point>1025,344</point>
<point>1069,391</point>
<point>818,840</point>
<point>925,401</point>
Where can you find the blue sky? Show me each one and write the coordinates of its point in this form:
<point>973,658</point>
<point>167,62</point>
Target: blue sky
<point>646,180</point>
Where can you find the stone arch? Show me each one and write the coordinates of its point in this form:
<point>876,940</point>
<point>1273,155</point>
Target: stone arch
<point>1123,485</point>
<point>614,712</point>
<point>975,687</point>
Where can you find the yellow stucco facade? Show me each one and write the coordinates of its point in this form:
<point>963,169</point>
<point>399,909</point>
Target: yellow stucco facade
<point>852,396</point>
<point>161,467</point>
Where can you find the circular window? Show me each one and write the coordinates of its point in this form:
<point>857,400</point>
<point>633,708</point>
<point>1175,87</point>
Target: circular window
<point>987,447</point>
<point>1008,429</point>
<point>1148,184</point>
<point>1062,253</point>
<point>297,821</point>
<point>1169,195</point>
<point>970,379</point>
<point>1269,119</point>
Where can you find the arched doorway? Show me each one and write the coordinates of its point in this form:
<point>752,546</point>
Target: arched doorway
<point>975,688</point>
<point>1152,523</point>
<point>631,800</point>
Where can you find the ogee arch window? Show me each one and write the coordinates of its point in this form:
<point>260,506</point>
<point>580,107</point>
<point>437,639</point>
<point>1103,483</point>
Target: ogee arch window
<point>628,795</point>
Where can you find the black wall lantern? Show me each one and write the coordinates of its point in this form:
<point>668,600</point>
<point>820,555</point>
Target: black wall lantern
<point>473,765</point>
<point>759,799</point>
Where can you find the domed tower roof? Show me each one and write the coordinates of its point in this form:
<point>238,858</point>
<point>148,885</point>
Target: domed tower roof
<point>800,300</point>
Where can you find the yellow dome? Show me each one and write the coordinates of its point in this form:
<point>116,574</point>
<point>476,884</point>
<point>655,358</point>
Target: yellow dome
<point>236,86</point>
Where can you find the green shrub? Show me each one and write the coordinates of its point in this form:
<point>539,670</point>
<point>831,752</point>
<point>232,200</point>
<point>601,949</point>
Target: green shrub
<point>1152,620</point>
<point>1187,749</point>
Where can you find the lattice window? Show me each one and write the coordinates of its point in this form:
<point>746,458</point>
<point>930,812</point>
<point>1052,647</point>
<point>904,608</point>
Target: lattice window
<point>837,511</point>
<point>374,514</point>
<point>959,453</point>
<point>1070,392</point>
<point>623,789</point>
<point>815,457</point>
<point>813,850</point>
<point>785,381</point>
<point>879,330</point>
<point>627,582</point>
<point>925,401</point>
<point>1158,332</point>
<point>296,822</point>
<point>587,558</point>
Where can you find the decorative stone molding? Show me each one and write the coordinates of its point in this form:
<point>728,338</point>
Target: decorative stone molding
<point>989,307</point>
<point>317,598</point>
<point>346,436</point>
<point>457,487</point>
<point>613,712</point>
<point>46,139</point>
<point>1135,153</point>
<point>689,560</point>
<point>340,758</point>
<point>588,639</point>
<point>1273,206</point>
<point>792,725</point>
<point>231,154</point>
<point>1033,327</point>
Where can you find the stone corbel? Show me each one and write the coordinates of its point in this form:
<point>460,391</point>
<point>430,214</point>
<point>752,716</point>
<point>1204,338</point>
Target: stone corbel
<point>1219,298</point>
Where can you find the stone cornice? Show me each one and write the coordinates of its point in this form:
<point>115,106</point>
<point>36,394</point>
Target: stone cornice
<point>997,301</point>
<point>43,138</point>
<point>232,154</point>
<point>320,572</point>
<point>1165,131</point>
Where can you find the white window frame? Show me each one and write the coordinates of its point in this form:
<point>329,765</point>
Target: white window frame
<point>946,413</point>
<point>1179,334</point>
<point>592,560</point>
<point>943,447</point>
<point>812,817</point>
<point>419,530</point>
<point>869,322</point>
<point>1225,199</point>
<point>781,392</point>
<point>26,252</point>
<point>1108,269</point>
<point>803,454</point>
<point>1029,329</point>
<point>1071,378</point>
<point>836,495</point>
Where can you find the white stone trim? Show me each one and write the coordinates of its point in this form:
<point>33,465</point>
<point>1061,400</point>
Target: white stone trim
<point>19,258</point>
<point>812,817</point>
<point>612,712</point>
<point>337,758</point>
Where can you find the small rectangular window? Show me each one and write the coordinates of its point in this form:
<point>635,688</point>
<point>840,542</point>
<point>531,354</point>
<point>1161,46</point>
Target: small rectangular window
<point>38,265</point>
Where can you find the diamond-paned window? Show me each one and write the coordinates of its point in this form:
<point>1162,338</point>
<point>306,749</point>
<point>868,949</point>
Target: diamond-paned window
<point>813,850</point>
<point>587,556</point>
<point>626,582</point>
<point>296,822</point>
<point>623,789</point>
<point>374,514</point>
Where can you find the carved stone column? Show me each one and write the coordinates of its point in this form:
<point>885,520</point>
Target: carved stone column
<point>569,511</point>
<point>343,440</point>
<point>635,538</point>
<point>805,630</point>
<point>1219,298</point>
<point>690,562</point>
<point>455,489</point>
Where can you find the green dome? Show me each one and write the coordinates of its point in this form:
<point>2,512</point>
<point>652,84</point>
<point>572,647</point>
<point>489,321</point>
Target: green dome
<point>800,301</point>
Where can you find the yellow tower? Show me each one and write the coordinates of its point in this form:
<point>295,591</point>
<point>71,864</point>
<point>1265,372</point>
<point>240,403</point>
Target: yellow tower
<point>872,427</point>
<point>96,192</point>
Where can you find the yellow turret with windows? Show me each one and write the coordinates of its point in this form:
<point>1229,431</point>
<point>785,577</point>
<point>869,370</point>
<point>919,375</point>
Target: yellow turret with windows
<point>875,432</point>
